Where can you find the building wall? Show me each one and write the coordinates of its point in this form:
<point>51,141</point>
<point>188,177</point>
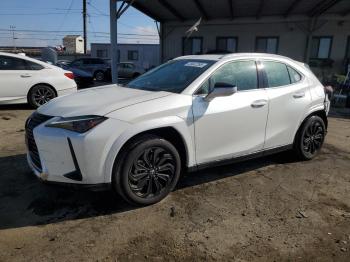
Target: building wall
<point>74,45</point>
<point>292,36</point>
<point>79,45</point>
<point>148,55</point>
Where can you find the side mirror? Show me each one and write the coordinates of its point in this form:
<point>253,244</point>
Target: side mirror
<point>220,90</point>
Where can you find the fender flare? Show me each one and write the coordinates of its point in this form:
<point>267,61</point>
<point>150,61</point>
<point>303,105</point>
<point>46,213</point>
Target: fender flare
<point>175,122</point>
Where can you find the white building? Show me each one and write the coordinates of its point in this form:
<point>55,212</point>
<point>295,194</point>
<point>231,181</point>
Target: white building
<point>142,55</point>
<point>74,44</point>
<point>313,31</point>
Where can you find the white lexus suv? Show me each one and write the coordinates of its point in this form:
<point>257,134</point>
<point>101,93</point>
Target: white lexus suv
<point>27,80</point>
<point>189,113</point>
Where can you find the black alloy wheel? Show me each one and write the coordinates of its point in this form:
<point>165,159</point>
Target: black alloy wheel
<point>152,171</point>
<point>40,95</point>
<point>149,172</point>
<point>311,139</point>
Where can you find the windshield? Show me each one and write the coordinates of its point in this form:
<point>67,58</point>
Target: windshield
<point>173,76</point>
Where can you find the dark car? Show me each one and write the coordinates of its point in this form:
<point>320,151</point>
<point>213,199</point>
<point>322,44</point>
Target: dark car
<point>97,67</point>
<point>81,77</point>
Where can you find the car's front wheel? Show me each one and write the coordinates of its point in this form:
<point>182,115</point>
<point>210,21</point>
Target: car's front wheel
<point>310,138</point>
<point>148,171</point>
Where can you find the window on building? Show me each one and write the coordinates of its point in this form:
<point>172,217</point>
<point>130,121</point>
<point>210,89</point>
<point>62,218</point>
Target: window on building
<point>267,45</point>
<point>133,55</point>
<point>321,47</point>
<point>118,53</point>
<point>226,44</point>
<point>192,46</point>
<point>102,53</point>
<point>277,74</point>
<point>12,63</point>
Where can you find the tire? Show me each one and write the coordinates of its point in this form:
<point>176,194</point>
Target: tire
<point>310,138</point>
<point>147,171</point>
<point>40,94</point>
<point>99,76</point>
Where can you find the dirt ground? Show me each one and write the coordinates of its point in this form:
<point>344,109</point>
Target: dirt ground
<point>270,209</point>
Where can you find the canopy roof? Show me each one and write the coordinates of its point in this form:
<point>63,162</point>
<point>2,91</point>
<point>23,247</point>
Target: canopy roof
<point>181,10</point>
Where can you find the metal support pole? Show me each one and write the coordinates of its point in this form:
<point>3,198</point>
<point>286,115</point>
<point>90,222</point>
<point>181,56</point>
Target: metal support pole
<point>114,44</point>
<point>84,25</point>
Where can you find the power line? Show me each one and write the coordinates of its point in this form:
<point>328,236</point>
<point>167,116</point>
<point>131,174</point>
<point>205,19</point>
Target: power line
<point>35,38</point>
<point>74,31</point>
<point>35,14</point>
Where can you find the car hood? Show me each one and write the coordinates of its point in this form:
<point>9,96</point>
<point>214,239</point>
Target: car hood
<point>97,101</point>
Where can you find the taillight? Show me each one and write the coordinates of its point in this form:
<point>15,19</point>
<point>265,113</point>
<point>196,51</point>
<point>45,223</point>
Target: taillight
<point>70,75</point>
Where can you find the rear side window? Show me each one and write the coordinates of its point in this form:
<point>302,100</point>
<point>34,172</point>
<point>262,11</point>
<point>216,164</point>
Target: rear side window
<point>33,66</point>
<point>294,75</point>
<point>96,61</point>
<point>77,63</point>
<point>277,74</point>
<point>12,63</point>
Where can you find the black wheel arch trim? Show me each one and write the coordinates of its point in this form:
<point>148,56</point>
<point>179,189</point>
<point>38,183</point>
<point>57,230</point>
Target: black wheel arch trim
<point>183,152</point>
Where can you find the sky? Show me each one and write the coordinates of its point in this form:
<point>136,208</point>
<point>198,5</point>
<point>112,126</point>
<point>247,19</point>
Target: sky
<point>45,22</point>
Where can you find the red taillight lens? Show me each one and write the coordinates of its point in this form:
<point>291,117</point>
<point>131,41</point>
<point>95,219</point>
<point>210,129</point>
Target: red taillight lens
<point>70,75</point>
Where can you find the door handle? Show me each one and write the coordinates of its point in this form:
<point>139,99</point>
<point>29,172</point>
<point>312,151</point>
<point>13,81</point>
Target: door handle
<point>259,103</point>
<point>25,76</point>
<point>299,95</point>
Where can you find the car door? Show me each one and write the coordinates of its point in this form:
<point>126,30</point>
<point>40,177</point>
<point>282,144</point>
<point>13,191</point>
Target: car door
<point>15,78</point>
<point>289,97</point>
<point>231,126</point>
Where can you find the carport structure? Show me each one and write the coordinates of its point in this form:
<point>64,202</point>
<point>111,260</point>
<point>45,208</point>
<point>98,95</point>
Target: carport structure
<point>302,29</point>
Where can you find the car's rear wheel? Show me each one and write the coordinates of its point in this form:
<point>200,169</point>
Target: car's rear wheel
<point>148,171</point>
<point>310,138</point>
<point>100,76</point>
<point>40,94</point>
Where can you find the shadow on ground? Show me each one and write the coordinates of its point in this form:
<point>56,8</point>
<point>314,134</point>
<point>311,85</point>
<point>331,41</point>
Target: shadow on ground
<point>25,201</point>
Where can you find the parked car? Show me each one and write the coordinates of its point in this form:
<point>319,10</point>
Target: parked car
<point>27,80</point>
<point>96,66</point>
<point>189,113</point>
<point>129,70</point>
<point>82,78</point>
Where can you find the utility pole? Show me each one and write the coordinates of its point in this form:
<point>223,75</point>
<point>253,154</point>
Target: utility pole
<point>13,37</point>
<point>84,24</point>
<point>114,44</point>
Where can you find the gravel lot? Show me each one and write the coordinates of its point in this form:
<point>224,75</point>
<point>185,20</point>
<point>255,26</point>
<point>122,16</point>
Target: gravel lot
<point>270,209</point>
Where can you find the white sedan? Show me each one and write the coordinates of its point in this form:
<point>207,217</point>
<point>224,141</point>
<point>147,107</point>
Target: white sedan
<point>26,80</point>
<point>190,113</point>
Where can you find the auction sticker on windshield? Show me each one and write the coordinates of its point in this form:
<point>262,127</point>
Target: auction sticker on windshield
<point>196,64</point>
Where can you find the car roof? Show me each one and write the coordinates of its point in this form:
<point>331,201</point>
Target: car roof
<point>27,58</point>
<point>218,57</point>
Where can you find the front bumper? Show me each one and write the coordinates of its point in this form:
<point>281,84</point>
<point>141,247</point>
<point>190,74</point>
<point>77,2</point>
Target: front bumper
<point>73,158</point>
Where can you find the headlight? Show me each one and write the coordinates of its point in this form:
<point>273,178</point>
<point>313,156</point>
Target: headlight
<point>80,124</point>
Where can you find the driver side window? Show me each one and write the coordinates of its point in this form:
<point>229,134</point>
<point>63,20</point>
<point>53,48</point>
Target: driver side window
<point>242,74</point>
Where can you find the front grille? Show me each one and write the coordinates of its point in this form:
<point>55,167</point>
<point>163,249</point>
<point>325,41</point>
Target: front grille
<point>33,121</point>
